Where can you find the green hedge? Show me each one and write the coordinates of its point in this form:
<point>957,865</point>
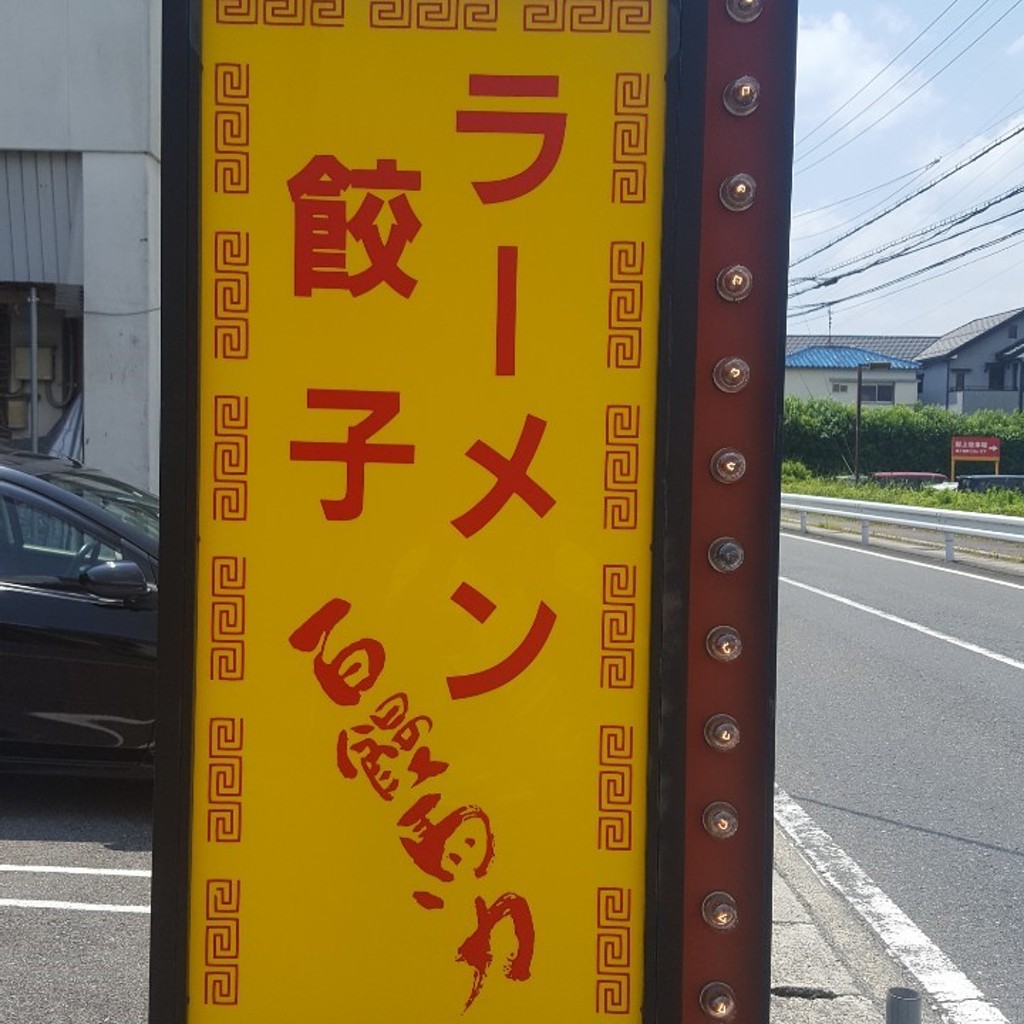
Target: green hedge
<point>820,433</point>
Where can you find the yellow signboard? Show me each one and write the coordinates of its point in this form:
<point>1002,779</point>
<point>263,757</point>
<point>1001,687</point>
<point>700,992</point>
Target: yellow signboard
<point>429,251</point>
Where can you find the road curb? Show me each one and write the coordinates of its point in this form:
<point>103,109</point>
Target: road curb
<point>820,943</point>
<point>830,926</point>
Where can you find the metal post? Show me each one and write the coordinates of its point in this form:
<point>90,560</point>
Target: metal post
<point>33,364</point>
<point>856,428</point>
<point>903,1006</point>
<point>803,522</point>
<point>950,557</point>
<point>865,533</point>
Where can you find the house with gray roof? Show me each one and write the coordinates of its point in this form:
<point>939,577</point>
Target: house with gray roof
<point>899,346</point>
<point>833,371</point>
<point>977,366</point>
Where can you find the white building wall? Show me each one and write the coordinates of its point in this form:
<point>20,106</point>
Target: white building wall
<point>75,74</point>
<point>121,301</point>
<point>83,76</point>
<point>806,384</point>
<point>818,383</point>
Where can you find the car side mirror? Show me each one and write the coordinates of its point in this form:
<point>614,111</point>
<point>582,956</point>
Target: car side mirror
<point>122,581</point>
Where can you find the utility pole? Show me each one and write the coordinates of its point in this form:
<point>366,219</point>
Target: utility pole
<point>861,367</point>
<point>33,366</point>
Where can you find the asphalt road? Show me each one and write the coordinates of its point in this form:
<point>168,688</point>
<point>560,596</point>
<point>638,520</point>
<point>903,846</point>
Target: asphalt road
<point>908,747</point>
<point>904,745</point>
<point>62,963</point>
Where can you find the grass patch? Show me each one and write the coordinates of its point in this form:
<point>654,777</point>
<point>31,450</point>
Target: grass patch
<point>996,502</point>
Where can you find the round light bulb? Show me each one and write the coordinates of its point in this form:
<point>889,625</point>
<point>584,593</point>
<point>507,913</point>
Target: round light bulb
<point>724,643</point>
<point>744,10</point>
<point>726,554</point>
<point>720,911</point>
<point>718,1001</point>
<point>742,96</point>
<point>735,283</point>
<point>728,465</point>
<point>737,193</point>
<point>731,375</point>
<point>722,733</point>
<point>721,820</point>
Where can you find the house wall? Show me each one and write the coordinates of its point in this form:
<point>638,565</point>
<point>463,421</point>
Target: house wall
<point>974,401</point>
<point>84,78</point>
<point>973,358</point>
<point>818,383</point>
<point>933,388</point>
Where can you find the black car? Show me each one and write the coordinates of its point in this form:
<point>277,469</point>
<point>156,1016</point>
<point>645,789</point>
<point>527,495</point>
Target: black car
<point>78,624</point>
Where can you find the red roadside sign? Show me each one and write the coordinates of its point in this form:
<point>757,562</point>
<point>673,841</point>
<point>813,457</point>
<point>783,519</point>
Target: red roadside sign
<point>987,448</point>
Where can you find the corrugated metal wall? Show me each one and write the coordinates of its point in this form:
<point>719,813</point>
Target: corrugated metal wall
<point>41,218</point>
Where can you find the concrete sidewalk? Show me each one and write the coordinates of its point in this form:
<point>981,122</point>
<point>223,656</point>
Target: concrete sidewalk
<point>827,965</point>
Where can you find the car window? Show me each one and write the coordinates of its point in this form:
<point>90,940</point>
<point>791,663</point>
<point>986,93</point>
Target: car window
<point>39,542</point>
<point>137,507</point>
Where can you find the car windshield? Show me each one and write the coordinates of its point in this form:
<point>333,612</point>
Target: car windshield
<point>136,507</point>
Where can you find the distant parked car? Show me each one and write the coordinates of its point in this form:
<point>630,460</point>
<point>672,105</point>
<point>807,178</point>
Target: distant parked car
<point>896,478</point>
<point>991,481</point>
<point>78,596</point>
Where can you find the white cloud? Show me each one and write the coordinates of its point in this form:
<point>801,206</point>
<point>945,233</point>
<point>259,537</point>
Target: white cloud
<point>836,59</point>
<point>893,20</point>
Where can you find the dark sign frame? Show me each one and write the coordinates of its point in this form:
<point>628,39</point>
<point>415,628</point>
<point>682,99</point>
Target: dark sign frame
<point>710,47</point>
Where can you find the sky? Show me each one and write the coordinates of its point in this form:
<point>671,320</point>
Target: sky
<point>892,97</point>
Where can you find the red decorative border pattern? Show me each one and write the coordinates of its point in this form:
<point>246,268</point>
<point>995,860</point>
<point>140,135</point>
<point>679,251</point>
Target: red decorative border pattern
<point>621,466</point>
<point>630,138</point>
<point>230,458</point>
<point>632,16</point>
<point>325,13</point>
<point>618,627</point>
<point>615,788</point>
<point>231,128</point>
<point>220,979</point>
<point>231,295</point>
<point>626,305</point>
<point>227,618</point>
<point>225,739</point>
<point>478,15</point>
<point>614,950</point>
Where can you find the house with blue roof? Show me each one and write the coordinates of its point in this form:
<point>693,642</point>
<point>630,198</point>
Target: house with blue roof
<point>979,365</point>
<point>831,371</point>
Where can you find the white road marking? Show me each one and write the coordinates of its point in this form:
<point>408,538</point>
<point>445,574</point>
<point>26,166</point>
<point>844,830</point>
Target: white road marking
<point>934,633</point>
<point>47,869</point>
<point>905,561</point>
<point>958,998</point>
<point>106,908</point>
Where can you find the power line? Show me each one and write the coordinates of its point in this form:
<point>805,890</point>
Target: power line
<point>916,273</point>
<point>866,192</point>
<point>912,175</point>
<point>909,96</point>
<point>911,251</point>
<point>852,220</point>
<point>974,158</point>
<point>938,227</point>
<point>906,74</point>
<point>958,295</point>
<point>878,74</point>
<point>944,273</point>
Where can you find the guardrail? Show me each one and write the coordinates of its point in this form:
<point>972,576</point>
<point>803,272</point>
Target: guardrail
<point>951,524</point>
